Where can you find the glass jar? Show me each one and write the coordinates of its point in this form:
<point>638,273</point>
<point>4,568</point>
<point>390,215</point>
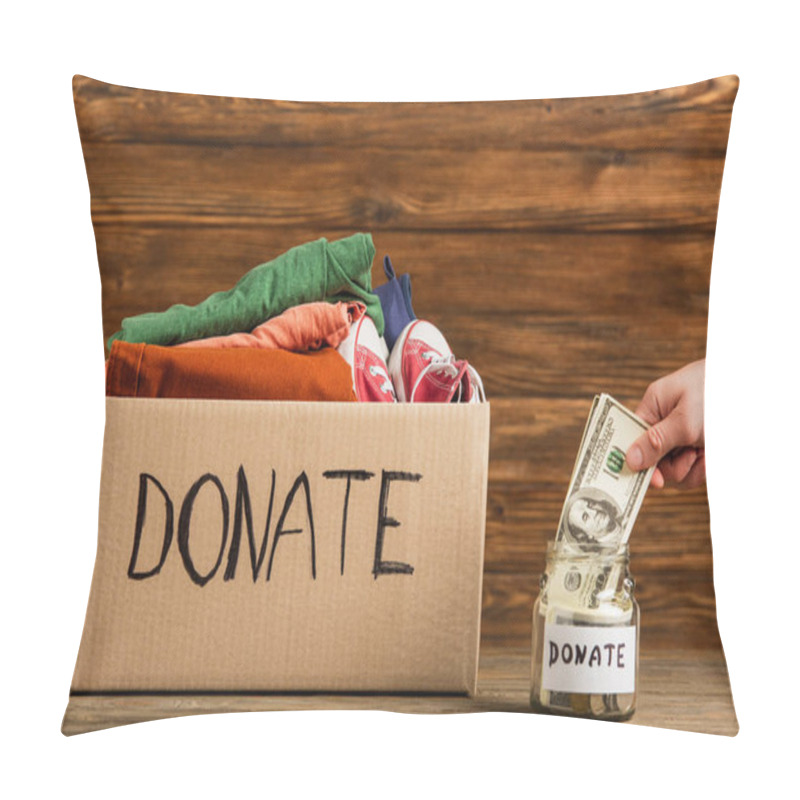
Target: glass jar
<point>585,634</point>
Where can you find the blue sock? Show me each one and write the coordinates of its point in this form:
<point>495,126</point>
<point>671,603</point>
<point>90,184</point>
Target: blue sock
<point>395,297</point>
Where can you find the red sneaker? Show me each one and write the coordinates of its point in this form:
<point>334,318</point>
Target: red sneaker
<point>366,353</point>
<point>424,369</point>
<point>473,392</point>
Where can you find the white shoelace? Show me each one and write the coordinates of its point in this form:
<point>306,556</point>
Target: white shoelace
<point>436,363</point>
<point>387,387</point>
<point>478,384</point>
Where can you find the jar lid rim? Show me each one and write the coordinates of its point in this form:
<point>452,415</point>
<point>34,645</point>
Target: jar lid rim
<point>589,549</point>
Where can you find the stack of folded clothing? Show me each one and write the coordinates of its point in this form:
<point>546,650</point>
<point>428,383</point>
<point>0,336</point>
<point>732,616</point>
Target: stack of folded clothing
<point>304,326</point>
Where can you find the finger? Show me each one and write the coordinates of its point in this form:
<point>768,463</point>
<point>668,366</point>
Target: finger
<point>648,407</point>
<point>648,410</point>
<point>655,443</point>
<point>657,479</point>
<point>676,466</point>
<point>635,455</point>
<point>697,474</point>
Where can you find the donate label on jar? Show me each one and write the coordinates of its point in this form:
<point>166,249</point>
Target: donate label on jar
<point>589,660</point>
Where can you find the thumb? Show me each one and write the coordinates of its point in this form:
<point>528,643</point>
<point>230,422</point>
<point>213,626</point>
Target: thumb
<point>654,443</point>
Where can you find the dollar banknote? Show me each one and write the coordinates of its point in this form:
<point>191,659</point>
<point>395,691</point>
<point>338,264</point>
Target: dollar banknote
<point>602,502</point>
<point>604,494</point>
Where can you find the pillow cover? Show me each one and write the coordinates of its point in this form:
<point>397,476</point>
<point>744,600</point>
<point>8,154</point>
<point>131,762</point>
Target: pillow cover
<point>563,245</point>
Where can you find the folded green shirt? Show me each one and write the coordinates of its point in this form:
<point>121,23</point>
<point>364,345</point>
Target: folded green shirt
<point>319,270</point>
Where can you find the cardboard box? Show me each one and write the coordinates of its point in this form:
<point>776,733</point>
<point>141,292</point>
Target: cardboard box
<point>262,546</point>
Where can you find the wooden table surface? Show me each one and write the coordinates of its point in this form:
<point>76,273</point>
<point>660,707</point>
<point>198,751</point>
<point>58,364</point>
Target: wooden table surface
<point>687,690</point>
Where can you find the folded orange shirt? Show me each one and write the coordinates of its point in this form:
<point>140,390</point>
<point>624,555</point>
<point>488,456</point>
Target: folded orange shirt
<point>144,370</point>
<point>309,326</point>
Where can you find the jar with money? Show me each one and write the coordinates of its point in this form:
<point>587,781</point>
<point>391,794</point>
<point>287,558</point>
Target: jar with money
<point>585,633</point>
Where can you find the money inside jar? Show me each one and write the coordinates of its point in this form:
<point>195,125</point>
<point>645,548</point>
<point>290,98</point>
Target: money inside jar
<point>585,626</point>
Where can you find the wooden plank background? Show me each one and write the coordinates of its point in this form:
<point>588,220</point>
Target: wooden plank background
<point>563,246</point>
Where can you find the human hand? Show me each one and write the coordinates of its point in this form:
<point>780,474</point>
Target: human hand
<point>673,405</point>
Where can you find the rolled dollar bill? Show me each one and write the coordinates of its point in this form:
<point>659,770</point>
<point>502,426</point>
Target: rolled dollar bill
<point>601,506</point>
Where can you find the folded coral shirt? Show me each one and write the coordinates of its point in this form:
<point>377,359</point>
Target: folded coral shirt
<point>140,370</point>
<point>319,270</point>
<point>305,327</point>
